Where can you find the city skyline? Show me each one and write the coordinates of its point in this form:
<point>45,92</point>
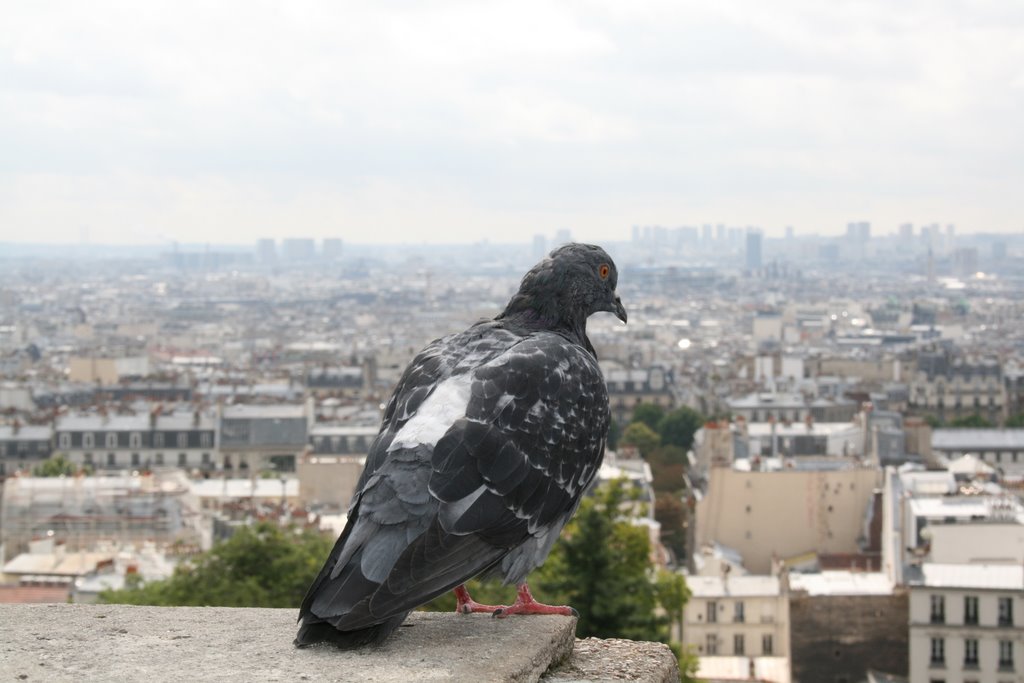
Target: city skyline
<point>456,122</point>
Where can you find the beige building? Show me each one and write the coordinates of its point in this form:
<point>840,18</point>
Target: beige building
<point>328,479</point>
<point>106,371</point>
<point>768,516</point>
<point>738,620</point>
<point>966,624</point>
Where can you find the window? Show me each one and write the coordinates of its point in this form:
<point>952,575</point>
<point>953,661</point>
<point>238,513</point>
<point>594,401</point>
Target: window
<point>938,609</point>
<point>712,611</point>
<point>206,458</point>
<point>111,439</point>
<point>110,460</point>
<point>64,440</point>
<point>737,644</point>
<point>135,459</point>
<point>88,440</point>
<point>158,459</point>
<point>970,609</point>
<point>88,458</point>
<point>158,440</point>
<point>938,652</point>
<point>1006,611</point>
<point>766,644</point>
<point>1006,655</point>
<point>971,653</point>
<point>135,440</point>
<point>712,644</point>
<point>737,614</point>
<point>182,439</point>
<point>205,440</point>
<point>182,459</point>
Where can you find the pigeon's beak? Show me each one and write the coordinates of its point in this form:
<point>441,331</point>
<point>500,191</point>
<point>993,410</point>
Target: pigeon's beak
<point>618,309</point>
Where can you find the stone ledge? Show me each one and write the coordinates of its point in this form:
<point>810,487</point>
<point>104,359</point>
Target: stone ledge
<point>120,642</point>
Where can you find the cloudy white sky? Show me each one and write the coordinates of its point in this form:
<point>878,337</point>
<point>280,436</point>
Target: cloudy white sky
<point>145,122</point>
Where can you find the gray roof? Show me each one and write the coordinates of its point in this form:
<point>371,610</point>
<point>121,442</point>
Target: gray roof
<point>978,439</point>
<point>132,423</point>
<point>264,412</point>
<point>332,430</point>
<point>26,433</point>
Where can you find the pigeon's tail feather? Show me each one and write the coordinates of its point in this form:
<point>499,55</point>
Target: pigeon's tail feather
<point>312,632</point>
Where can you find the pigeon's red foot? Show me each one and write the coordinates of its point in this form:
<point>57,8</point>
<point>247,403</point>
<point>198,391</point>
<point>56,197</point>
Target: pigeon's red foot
<point>525,604</point>
<point>467,605</point>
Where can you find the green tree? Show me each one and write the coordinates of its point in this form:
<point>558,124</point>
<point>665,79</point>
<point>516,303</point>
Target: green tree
<point>54,467</point>
<point>649,414</point>
<point>641,436</point>
<point>972,421</point>
<point>678,427</point>
<point>670,513</point>
<point>601,566</point>
<point>614,433</point>
<point>259,566</point>
<point>1015,422</point>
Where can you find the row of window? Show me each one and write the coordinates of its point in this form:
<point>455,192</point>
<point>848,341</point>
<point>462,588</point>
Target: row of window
<point>992,456</point>
<point>938,610</point>
<point>739,646</point>
<point>738,616</point>
<point>938,654</point>
<point>134,440</point>
<point>136,459</point>
<point>12,448</point>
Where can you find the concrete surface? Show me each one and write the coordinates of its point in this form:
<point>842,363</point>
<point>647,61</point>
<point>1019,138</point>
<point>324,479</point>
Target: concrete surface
<point>124,643</point>
<point>613,659</point>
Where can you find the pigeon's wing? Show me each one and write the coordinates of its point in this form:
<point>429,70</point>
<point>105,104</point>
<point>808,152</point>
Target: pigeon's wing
<point>392,506</point>
<point>509,472</point>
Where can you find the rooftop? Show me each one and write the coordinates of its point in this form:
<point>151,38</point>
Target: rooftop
<point>978,439</point>
<point>737,586</point>
<point>993,576</point>
<point>841,583</point>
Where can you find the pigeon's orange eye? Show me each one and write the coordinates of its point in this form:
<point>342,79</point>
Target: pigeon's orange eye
<point>603,271</point>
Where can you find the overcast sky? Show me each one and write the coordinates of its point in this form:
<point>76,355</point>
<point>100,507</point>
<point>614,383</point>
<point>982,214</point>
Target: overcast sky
<point>146,122</point>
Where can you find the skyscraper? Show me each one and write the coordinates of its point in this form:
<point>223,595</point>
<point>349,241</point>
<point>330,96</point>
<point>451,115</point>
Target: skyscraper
<point>753,249</point>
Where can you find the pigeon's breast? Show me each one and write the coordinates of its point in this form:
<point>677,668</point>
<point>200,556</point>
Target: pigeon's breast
<point>446,404</point>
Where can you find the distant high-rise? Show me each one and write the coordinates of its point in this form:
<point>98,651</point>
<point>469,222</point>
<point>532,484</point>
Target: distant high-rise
<point>753,249</point>
<point>563,236</point>
<point>789,232</point>
<point>540,247</point>
<point>907,232</point>
<point>331,248</point>
<point>266,250</point>
<point>858,232</point>
<point>298,249</point>
<point>720,232</point>
<point>999,251</point>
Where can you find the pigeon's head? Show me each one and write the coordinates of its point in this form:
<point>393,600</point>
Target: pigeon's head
<point>573,282</point>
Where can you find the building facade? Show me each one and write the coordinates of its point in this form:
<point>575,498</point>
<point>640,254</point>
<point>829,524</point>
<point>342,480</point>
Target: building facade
<point>966,624</point>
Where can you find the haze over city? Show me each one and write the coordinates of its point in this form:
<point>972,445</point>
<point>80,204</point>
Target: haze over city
<point>456,122</point>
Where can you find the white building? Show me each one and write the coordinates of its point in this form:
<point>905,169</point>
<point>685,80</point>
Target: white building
<point>738,621</point>
<point>967,624</point>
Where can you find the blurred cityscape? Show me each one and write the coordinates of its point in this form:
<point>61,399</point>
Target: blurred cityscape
<point>850,509</point>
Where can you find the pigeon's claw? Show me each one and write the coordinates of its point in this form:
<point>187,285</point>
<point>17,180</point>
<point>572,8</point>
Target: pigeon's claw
<point>467,605</point>
<point>525,604</point>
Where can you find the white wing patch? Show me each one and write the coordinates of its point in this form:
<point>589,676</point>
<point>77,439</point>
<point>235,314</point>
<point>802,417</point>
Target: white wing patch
<point>436,415</point>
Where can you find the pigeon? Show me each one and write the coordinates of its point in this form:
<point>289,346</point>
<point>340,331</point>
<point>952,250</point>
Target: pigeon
<point>490,440</point>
